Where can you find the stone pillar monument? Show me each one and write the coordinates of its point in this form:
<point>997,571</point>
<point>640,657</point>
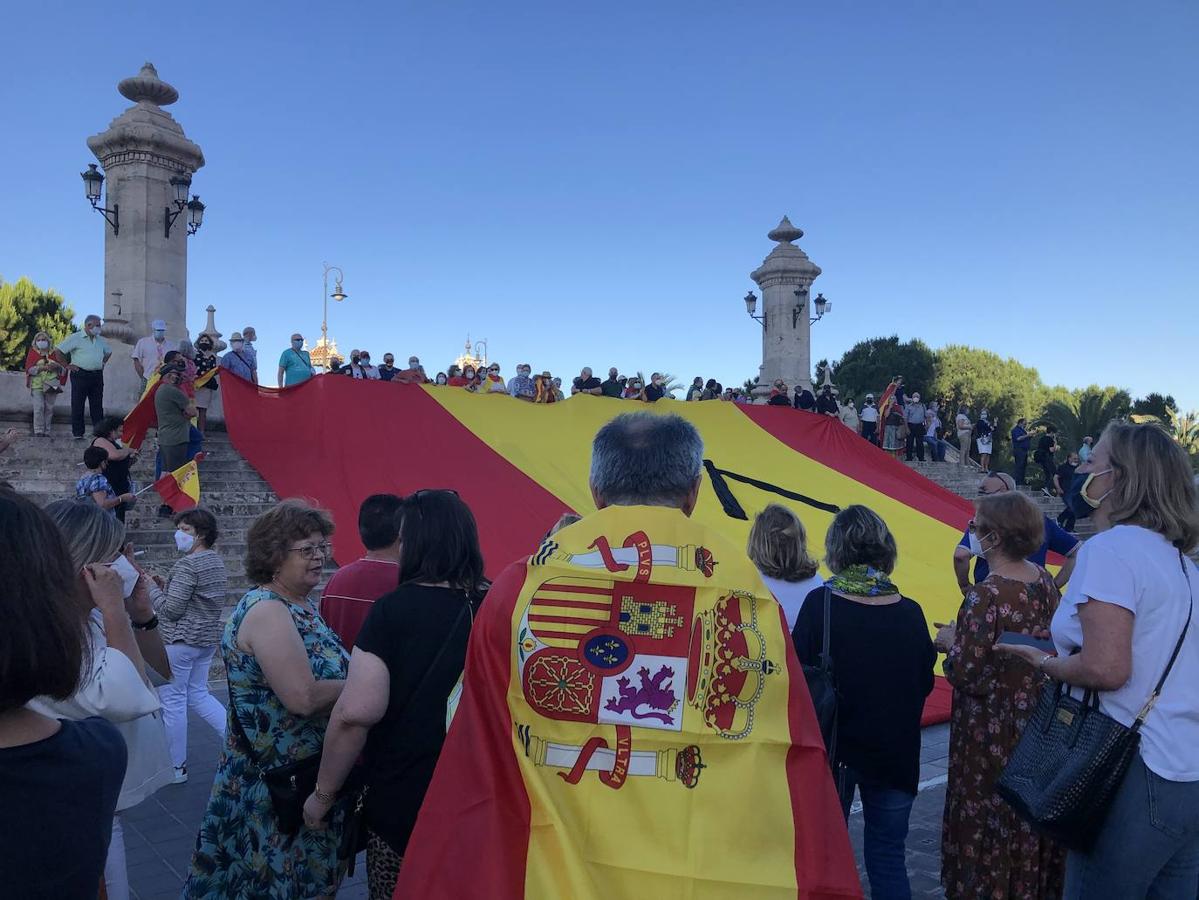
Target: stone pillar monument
<point>786,335</point>
<point>145,271</point>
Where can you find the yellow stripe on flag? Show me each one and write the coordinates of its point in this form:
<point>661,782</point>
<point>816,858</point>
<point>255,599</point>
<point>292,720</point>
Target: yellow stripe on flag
<point>552,445</point>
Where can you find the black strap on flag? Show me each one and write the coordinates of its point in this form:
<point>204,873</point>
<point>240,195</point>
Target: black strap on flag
<point>734,510</point>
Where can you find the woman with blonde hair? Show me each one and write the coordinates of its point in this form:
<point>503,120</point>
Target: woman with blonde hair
<point>1126,613</point>
<point>987,850</point>
<point>778,546</point>
<point>123,642</point>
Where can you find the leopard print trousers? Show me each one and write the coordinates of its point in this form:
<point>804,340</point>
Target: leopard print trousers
<point>382,867</point>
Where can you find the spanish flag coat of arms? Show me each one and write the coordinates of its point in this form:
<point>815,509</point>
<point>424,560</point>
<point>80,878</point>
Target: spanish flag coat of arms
<point>634,723</point>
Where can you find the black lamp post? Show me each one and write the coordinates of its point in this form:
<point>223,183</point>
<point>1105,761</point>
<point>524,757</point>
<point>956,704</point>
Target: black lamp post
<point>751,306</point>
<point>822,306</point>
<point>180,184</point>
<point>92,182</point>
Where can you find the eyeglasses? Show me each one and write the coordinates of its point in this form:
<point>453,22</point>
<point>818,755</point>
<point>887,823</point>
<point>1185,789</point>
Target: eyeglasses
<point>312,551</point>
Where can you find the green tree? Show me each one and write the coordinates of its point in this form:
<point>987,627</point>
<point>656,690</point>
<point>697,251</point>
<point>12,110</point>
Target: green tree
<point>980,379</point>
<point>869,366</point>
<point>1087,413</point>
<point>1155,405</point>
<point>26,309</point>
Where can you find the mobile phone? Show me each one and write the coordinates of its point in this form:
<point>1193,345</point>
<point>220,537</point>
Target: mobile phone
<point>1026,640</point>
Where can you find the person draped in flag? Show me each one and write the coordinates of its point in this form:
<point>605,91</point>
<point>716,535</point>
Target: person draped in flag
<point>892,395</point>
<point>633,718</point>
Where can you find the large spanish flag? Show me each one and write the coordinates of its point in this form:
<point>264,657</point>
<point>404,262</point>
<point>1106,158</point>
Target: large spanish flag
<point>634,723</point>
<point>521,465</point>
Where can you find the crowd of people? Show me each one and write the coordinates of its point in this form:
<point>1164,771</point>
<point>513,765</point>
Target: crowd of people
<point>357,684</point>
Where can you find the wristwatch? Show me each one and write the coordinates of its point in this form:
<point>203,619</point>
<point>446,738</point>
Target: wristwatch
<point>145,626</point>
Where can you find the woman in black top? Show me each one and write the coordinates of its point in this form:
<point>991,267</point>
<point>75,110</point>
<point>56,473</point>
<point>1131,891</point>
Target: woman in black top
<point>882,661</point>
<point>120,458</point>
<point>406,660</point>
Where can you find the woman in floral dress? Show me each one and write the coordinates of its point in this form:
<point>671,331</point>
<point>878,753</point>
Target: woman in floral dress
<point>987,850</point>
<point>286,669</point>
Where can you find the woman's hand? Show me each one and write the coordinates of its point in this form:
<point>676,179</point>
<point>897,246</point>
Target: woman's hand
<point>104,586</point>
<point>139,605</point>
<point>946,634</point>
<point>315,811</point>
<point>1034,656</point>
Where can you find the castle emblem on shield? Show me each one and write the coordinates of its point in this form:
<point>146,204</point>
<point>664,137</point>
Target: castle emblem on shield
<point>639,657</point>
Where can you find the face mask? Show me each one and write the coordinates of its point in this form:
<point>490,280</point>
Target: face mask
<point>42,345</point>
<point>129,575</point>
<point>297,344</point>
<point>160,336</point>
<point>93,330</point>
<point>440,380</point>
<point>237,345</point>
<point>1080,504</point>
<point>184,541</point>
<point>976,546</point>
<point>366,360</point>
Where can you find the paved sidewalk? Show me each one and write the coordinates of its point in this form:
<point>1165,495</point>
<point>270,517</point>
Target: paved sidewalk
<point>161,832</point>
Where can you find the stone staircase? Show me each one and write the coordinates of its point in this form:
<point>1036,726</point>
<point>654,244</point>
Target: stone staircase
<point>964,483</point>
<point>46,469</point>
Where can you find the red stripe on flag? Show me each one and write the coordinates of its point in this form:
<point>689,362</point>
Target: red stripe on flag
<point>141,419</point>
<point>414,443</point>
<point>577,589</point>
<point>828,442</point>
<point>541,600</point>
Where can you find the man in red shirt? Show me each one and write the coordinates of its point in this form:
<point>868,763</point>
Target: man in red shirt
<point>350,592</point>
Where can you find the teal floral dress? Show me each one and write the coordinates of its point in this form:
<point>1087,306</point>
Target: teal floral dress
<point>239,850</point>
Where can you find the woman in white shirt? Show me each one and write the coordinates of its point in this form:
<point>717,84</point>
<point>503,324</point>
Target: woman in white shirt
<point>122,637</point>
<point>778,546</point>
<point>1127,603</point>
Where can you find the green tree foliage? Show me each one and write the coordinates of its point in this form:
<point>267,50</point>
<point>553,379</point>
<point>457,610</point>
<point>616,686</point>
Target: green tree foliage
<point>26,309</point>
<point>1155,405</point>
<point>869,366</point>
<point>980,379</point>
<point>1087,413</point>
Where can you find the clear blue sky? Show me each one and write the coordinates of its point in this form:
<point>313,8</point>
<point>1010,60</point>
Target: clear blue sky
<point>592,184</point>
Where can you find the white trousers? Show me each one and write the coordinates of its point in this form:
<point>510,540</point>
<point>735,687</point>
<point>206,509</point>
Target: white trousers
<point>116,875</point>
<point>188,688</point>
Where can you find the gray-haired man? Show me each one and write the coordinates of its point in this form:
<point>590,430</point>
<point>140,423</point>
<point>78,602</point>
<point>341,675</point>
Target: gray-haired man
<point>597,665</point>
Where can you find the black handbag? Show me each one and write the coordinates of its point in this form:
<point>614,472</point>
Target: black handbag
<point>1072,757</point>
<point>289,784</point>
<point>822,686</point>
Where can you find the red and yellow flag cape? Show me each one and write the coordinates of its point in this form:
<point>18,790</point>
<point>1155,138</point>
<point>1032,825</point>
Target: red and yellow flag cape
<point>633,723</point>
<point>521,465</point>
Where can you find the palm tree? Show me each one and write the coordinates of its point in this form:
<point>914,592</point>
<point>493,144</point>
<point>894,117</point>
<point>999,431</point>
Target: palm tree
<point>1185,428</point>
<point>1086,413</point>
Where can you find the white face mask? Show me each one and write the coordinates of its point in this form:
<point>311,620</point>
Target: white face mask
<point>42,345</point>
<point>976,546</point>
<point>129,575</point>
<point>184,541</point>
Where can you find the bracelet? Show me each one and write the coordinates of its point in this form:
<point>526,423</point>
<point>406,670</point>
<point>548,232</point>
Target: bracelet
<point>146,626</point>
<point>1041,664</point>
<point>322,796</point>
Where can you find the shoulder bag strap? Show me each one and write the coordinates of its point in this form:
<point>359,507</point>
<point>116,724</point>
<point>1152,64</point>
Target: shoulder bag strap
<point>1177,648</point>
<point>825,662</point>
<point>436,659</point>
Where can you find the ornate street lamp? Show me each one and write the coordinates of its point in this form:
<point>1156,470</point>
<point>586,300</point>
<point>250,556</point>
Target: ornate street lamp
<point>751,306</point>
<point>180,184</point>
<point>822,306</point>
<point>338,295</point>
<point>92,181</point>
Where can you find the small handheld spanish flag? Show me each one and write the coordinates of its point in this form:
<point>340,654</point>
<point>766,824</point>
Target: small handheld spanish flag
<point>180,489</point>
